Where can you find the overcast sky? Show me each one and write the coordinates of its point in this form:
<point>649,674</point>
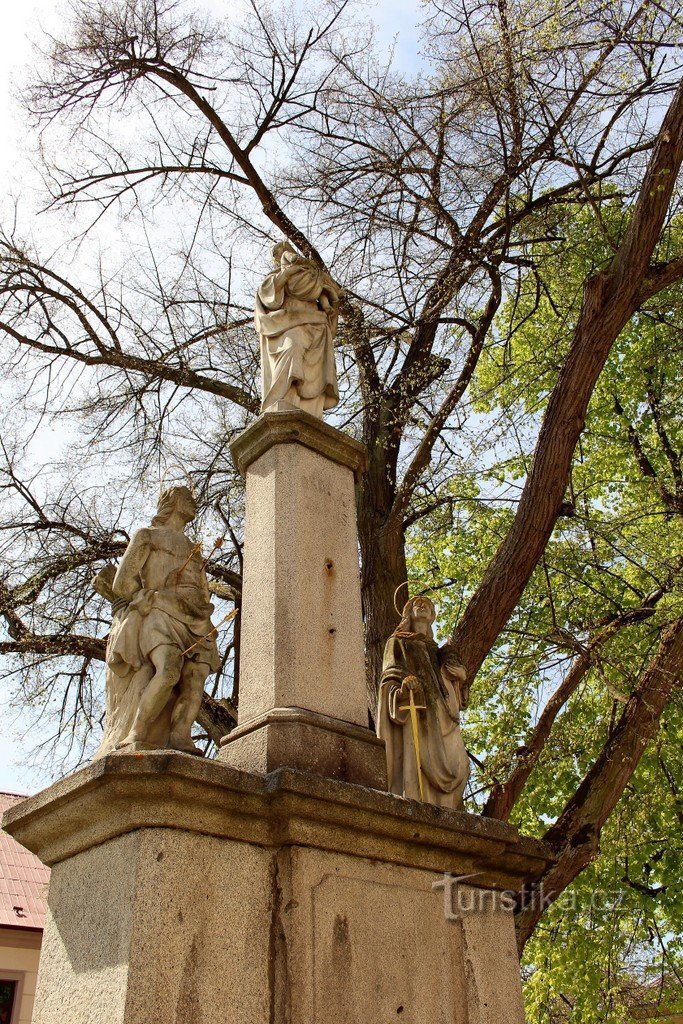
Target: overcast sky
<point>21,23</point>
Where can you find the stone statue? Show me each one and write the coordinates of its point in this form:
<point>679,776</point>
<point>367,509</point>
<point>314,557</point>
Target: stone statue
<point>422,693</point>
<point>162,644</point>
<point>296,317</point>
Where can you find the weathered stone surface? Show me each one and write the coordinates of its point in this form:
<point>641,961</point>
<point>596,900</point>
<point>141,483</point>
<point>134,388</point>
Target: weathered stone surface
<point>491,964</point>
<point>308,742</point>
<point>124,792</point>
<point>297,308</point>
<point>302,634</point>
<point>158,925</point>
<point>162,644</point>
<point>297,427</point>
<point>185,891</point>
<point>372,942</point>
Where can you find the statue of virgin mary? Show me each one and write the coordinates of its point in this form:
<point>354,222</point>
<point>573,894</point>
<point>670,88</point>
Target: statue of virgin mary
<point>296,317</point>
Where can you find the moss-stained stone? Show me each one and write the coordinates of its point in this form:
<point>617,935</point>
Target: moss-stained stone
<point>186,892</point>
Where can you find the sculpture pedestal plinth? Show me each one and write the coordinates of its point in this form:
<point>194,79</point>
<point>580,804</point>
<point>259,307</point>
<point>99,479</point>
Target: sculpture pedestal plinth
<point>303,695</point>
<point>185,891</point>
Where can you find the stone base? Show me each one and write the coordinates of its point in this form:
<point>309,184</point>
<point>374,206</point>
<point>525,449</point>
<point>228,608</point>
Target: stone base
<point>185,891</point>
<point>302,624</point>
<point>283,406</point>
<point>307,741</point>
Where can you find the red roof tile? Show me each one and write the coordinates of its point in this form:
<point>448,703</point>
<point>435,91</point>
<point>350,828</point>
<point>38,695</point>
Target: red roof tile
<point>23,880</point>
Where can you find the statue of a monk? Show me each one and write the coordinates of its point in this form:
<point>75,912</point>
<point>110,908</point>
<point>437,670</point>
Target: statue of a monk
<point>162,645</point>
<point>422,693</point>
<point>296,317</point>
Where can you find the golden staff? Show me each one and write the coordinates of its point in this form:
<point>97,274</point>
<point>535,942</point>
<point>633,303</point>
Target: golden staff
<point>218,543</point>
<point>212,632</point>
<point>195,549</point>
<point>414,708</point>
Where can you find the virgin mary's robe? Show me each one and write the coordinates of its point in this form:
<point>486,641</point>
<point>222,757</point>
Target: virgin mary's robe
<point>297,335</point>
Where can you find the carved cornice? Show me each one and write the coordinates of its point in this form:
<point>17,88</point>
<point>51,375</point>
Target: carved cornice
<point>296,427</point>
<point>124,792</point>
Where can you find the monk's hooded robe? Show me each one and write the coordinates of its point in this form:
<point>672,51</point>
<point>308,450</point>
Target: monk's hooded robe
<point>297,335</point>
<point>445,764</point>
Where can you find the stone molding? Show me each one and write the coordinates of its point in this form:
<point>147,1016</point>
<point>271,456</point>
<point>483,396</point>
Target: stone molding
<point>307,741</point>
<point>124,792</point>
<point>297,427</point>
<point>304,717</point>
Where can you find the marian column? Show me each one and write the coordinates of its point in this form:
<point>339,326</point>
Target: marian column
<point>281,883</point>
<point>303,695</point>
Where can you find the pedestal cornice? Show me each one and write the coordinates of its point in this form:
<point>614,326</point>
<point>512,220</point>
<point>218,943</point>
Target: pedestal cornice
<point>124,792</point>
<point>297,427</point>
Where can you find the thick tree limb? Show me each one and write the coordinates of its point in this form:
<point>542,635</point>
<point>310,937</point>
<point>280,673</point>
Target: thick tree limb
<point>217,717</point>
<point>154,369</point>
<point>58,645</point>
<point>575,836</point>
<point>610,299</point>
<point>659,277</point>
<point>504,795</point>
<point>28,591</point>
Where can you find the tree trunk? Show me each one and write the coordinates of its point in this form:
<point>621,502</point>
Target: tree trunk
<point>504,795</point>
<point>217,717</point>
<point>383,570</point>
<point>610,300</point>
<point>383,561</point>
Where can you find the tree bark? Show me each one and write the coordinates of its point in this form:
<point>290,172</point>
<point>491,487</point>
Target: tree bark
<point>383,570</point>
<point>575,836</point>
<point>610,299</point>
<point>217,717</point>
<point>504,795</point>
<point>383,566</point>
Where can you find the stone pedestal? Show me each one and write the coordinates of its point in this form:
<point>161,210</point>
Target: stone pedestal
<point>303,698</point>
<point>280,884</point>
<point>186,892</point>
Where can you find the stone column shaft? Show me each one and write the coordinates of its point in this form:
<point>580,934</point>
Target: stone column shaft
<point>303,695</point>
